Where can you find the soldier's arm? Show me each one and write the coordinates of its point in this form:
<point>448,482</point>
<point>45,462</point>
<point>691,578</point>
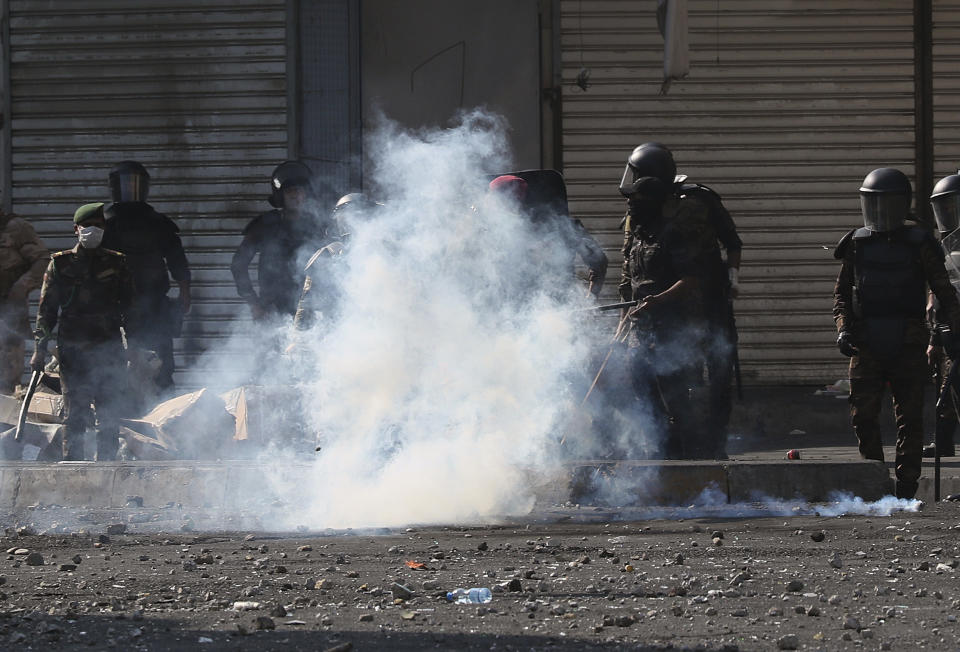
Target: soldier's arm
<point>592,255</point>
<point>126,289</point>
<point>176,259</point>
<point>931,258</point>
<point>240,267</point>
<point>37,255</point>
<point>843,295</point>
<point>624,288</point>
<point>49,304</point>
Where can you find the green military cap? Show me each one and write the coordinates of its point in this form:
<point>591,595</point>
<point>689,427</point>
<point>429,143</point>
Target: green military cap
<point>88,212</point>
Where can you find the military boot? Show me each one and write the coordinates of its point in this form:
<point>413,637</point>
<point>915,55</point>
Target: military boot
<point>73,446</point>
<point>107,446</point>
<point>906,489</point>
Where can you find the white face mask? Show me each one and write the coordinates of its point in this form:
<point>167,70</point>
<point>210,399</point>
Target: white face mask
<point>90,236</point>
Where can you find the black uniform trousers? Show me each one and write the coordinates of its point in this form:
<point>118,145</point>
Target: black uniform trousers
<point>92,373</point>
<point>906,373</point>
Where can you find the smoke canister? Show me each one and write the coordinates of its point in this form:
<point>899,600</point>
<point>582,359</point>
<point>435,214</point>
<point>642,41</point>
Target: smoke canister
<point>793,454</point>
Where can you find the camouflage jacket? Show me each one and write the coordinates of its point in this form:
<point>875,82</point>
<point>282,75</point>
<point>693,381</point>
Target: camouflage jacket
<point>86,291</point>
<point>22,255</point>
<point>681,243</point>
<point>320,296</point>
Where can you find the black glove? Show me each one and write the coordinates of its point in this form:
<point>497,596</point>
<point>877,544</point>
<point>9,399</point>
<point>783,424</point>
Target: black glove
<point>846,345</point>
<point>37,359</point>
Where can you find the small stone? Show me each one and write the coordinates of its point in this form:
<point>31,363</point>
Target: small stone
<point>514,585</point>
<point>793,586</point>
<point>717,534</point>
<point>788,642</point>
<point>103,539</point>
<point>482,546</point>
<point>866,633</point>
<point>76,559</point>
<point>851,623</point>
<point>943,568</point>
<point>431,585</point>
<point>34,559</point>
<point>116,529</point>
<point>408,615</point>
<point>834,600</point>
<point>67,567</point>
<point>818,536</point>
<point>400,592</point>
<point>739,613</point>
<point>366,618</point>
<point>264,622</point>
<point>813,611</point>
<point>625,621</point>
<point>923,566</point>
<point>307,548</point>
<point>835,561</point>
<point>278,611</point>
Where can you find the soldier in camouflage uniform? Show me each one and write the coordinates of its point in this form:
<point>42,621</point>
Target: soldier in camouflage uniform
<point>22,261</point>
<point>879,308</point>
<point>671,254</point>
<point>87,291</point>
<point>721,287</point>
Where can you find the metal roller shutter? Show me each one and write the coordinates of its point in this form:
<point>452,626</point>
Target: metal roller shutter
<point>194,91</point>
<point>946,88</point>
<point>788,105</point>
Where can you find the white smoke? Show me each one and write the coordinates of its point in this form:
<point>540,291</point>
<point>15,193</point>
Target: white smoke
<point>440,390</point>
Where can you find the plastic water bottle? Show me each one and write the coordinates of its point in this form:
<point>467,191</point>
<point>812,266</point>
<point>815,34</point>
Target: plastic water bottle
<point>470,596</point>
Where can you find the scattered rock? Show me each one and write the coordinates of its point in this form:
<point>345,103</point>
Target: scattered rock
<point>366,618</point>
<point>264,622</point>
<point>835,560</point>
<point>793,586</point>
<point>67,567</point>
<point>788,642</point>
<point>482,546</point>
<point>116,528</point>
<point>818,537</point>
<point>400,592</point>
<point>851,623</point>
<point>34,559</point>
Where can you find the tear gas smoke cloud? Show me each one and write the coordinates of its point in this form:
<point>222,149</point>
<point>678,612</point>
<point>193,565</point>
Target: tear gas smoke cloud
<point>439,383</point>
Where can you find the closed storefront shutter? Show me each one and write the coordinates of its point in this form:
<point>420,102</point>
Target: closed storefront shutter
<point>787,107</point>
<point>196,91</point>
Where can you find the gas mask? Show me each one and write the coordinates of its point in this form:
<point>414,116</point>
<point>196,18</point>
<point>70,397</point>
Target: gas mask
<point>90,236</point>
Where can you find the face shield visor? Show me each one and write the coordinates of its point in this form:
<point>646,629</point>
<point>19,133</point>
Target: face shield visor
<point>884,212</point>
<point>129,186</point>
<point>946,211</point>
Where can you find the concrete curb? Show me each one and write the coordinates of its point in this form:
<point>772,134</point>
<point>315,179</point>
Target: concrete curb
<point>234,485</point>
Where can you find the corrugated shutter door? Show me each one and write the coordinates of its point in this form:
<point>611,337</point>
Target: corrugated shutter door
<point>787,107</point>
<point>946,88</point>
<point>195,91</point>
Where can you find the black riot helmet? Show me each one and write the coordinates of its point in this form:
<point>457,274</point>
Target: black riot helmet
<point>650,171</point>
<point>288,174</point>
<point>129,181</point>
<point>885,199</point>
<point>945,201</point>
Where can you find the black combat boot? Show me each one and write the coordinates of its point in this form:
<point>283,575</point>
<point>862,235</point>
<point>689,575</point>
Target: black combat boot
<point>107,446</point>
<point>906,490</point>
<point>73,446</point>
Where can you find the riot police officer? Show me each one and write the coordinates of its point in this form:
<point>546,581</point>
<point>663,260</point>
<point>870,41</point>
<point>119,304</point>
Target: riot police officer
<point>150,241</point>
<point>320,296</point>
<point>87,294</point>
<point>879,306</point>
<point>285,238</point>
<point>669,258</point>
<point>720,281</point>
<point>945,201</point>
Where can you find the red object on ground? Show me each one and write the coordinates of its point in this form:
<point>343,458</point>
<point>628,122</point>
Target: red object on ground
<point>793,454</point>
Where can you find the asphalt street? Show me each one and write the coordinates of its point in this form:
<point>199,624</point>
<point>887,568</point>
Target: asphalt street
<point>569,579</point>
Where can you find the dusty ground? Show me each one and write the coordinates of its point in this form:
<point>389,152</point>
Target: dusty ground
<point>580,583</point>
